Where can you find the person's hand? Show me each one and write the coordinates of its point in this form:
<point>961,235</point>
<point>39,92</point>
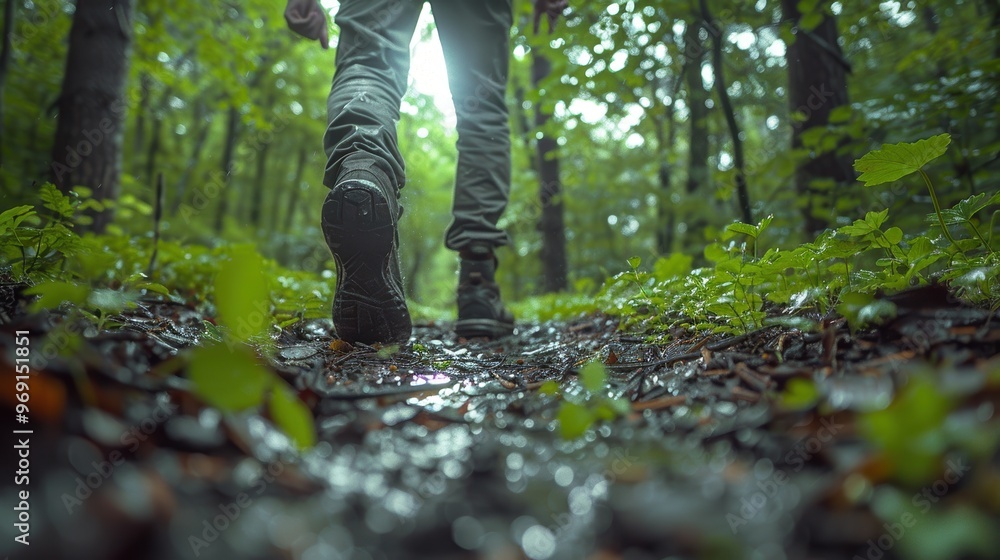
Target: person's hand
<point>307,18</point>
<point>551,8</point>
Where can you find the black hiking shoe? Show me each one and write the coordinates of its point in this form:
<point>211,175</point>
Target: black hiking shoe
<point>481,313</point>
<point>359,222</point>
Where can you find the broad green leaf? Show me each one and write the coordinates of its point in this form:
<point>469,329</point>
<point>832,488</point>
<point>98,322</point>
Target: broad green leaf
<point>634,262</point>
<point>677,264</point>
<point>154,287</point>
<point>859,228</point>
<point>292,416</point>
<point>862,310</point>
<point>242,295</point>
<point>110,301</point>
<point>593,377</point>
<point>550,387</point>
<point>895,161</point>
<point>13,217</point>
<point>574,420</point>
<point>745,229</point>
<point>228,378</point>
<point>876,219</point>
<point>894,235</point>
<point>53,294</point>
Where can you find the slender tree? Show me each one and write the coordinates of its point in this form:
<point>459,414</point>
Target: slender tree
<point>92,104</point>
<point>721,87</point>
<point>227,165</point>
<point>817,84</point>
<point>551,224</point>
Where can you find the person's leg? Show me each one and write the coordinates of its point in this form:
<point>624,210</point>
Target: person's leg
<point>365,170</point>
<point>373,62</point>
<point>475,37</point>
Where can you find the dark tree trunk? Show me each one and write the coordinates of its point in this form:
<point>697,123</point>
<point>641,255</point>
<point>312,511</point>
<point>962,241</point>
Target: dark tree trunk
<point>718,67</point>
<point>92,104</point>
<point>666,140</point>
<point>817,84</point>
<point>552,225</point>
<point>154,141</point>
<point>139,137</point>
<point>259,184</point>
<point>232,127</point>
<point>5,47</point>
<point>698,176</point>
<point>200,137</point>
<point>293,197</point>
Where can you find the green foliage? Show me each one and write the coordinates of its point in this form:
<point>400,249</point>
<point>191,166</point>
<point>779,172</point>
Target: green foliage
<point>578,413</point>
<point>228,377</point>
<point>895,161</point>
<point>841,269</point>
<point>98,277</point>
<point>909,431</point>
<point>242,295</point>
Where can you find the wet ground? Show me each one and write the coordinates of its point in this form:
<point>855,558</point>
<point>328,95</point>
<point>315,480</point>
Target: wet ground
<point>451,449</point>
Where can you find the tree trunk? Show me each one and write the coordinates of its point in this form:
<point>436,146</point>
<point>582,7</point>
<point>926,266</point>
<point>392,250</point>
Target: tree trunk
<point>232,127</point>
<point>5,47</point>
<point>718,68</point>
<point>200,137</point>
<point>666,141</point>
<point>293,197</point>
<point>697,111</point>
<point>552,226</point>
<point>138,139</point>
<point>92,104</point>
<point>817,84</point>
<point>154,141</point>
<point>259,183</point>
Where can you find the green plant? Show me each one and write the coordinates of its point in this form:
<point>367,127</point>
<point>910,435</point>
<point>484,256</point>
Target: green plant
<point>579,412</point>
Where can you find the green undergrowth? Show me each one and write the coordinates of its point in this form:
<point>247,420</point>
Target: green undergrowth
<point>747,286</point>
<point>843,271</point>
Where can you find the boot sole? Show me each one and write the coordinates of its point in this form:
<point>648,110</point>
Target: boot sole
<point>360,230</point>
<point>490,328</point>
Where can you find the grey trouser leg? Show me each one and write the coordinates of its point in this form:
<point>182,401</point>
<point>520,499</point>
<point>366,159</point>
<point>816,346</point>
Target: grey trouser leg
<point>373,61</point>
<point>475,36</point>
<point>371,78</point>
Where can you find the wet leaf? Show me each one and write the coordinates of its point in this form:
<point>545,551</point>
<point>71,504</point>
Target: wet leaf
<point>895,161</point>
<point>574,420</point>
<point>229,379</point>
<point>550,387</point>
<point>54,294</point>
<point>593,377</point>
<point>242,295</point>
<point>293,417</point>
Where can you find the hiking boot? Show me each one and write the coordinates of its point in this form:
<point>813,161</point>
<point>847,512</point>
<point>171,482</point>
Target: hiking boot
<point>359,223</point>
<point>481,313</point>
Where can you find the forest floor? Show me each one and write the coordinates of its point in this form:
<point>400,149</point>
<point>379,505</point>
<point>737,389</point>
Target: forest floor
<point>451,449</point>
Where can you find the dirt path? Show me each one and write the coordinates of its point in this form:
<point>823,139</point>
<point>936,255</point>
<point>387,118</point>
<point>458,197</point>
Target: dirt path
<point>444,449</point>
